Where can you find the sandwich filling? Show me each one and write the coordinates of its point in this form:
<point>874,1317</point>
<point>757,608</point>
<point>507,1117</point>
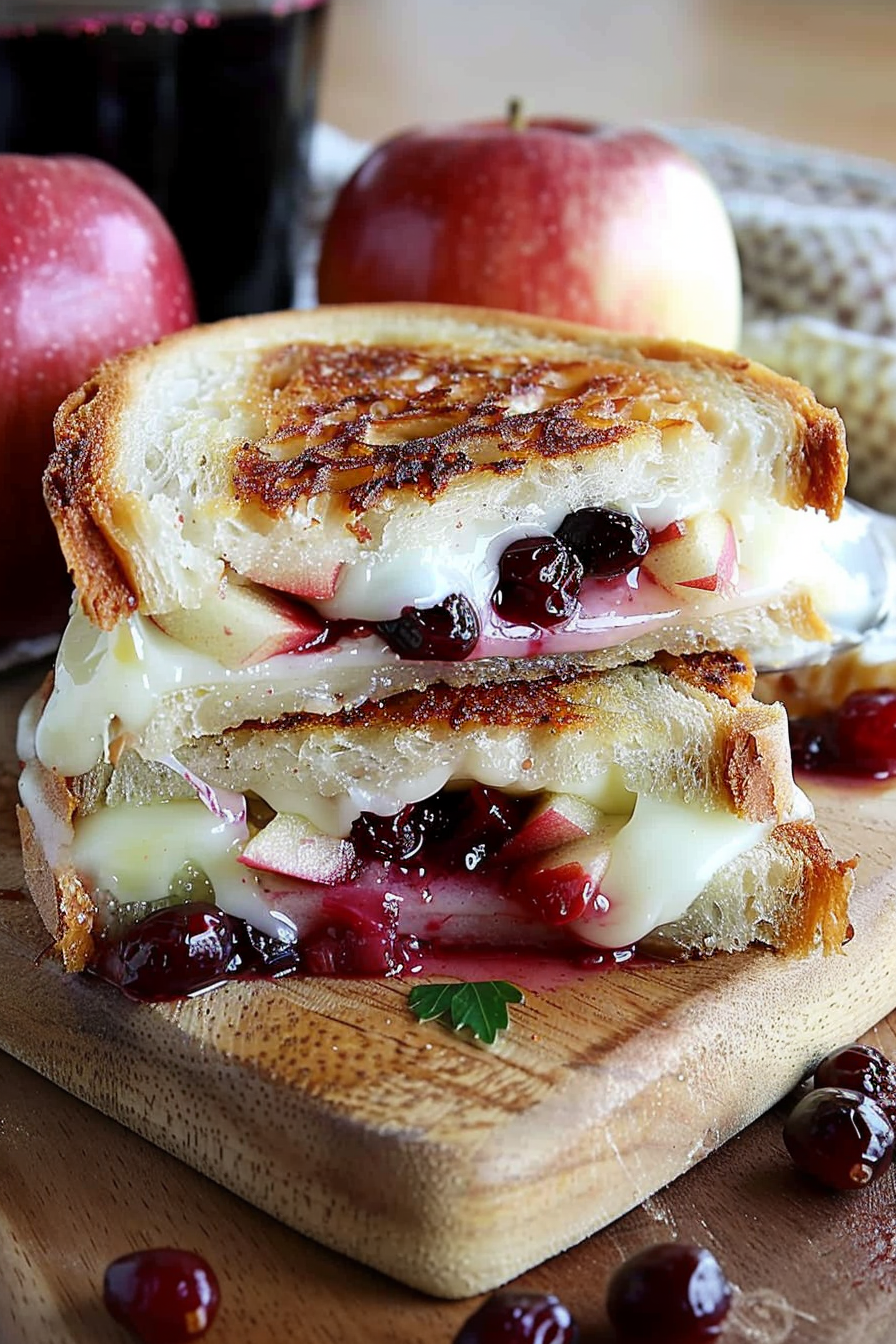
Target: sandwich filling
<point>529,814</point>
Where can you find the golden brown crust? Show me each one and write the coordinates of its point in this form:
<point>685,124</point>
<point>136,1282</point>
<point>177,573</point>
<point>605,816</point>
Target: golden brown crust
<point>757,774</point>
<point>818,461</point>
<point>339,419</point>
<point>821,912</point>
<point>72,484</point>
<point>61,899</point>
<point>730,676</point>
<point>562,700</point>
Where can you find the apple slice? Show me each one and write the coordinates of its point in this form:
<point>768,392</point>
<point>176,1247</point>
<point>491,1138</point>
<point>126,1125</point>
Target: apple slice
<point>291,846</point>
<point>300,576</point>
<point>241,625</point>
<point>564,885</point>
<point>557,819</point>
<point>700,553</point>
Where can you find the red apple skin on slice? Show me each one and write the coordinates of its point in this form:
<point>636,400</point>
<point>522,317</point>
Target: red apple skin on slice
<point>291,846</point>
<point>242,625</point>
<point>564,885</point>
<point>557,819</point>
<point>695,553</point>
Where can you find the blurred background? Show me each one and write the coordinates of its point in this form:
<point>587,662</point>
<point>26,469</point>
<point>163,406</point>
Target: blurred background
<point>817,71</point>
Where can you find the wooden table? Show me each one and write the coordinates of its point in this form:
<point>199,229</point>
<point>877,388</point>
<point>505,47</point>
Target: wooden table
<point>76,1190</point>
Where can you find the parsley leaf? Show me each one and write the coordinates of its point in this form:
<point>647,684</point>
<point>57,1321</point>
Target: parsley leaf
<point>481,1007</point>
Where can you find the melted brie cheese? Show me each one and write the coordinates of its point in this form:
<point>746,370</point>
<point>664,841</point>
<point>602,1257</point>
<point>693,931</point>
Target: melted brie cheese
<point>133,852</point>
<point>660,861</point>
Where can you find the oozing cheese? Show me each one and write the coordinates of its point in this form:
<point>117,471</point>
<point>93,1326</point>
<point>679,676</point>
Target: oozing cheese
<point>120,677</point>
<point>114,682</point>
<point>776,546</point>
<point>132,854</point>
<point>659,863</point>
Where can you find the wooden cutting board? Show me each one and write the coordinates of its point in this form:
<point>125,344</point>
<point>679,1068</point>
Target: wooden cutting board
<point>449,1166</point>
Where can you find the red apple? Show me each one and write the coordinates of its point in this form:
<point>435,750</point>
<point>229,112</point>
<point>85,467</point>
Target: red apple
<point>618,228</point>
<point>88,268</point>
<point>557,819</point>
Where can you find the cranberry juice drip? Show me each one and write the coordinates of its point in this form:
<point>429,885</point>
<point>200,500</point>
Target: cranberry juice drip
<point>208,114</point>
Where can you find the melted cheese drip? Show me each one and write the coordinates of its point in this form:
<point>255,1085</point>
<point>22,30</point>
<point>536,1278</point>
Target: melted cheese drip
<point>119,677</point>
<point>133,852</point>
<point>660,861</point>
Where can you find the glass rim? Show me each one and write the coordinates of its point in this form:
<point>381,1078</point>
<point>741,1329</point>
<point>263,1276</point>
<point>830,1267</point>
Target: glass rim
<point>23,16</point>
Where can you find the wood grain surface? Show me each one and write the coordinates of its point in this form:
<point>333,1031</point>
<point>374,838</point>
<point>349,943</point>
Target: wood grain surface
<point>451,1166</point>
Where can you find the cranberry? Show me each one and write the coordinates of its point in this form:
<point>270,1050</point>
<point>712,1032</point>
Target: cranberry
<point>162,1296</point>
<point>538,582</point>
<point>669,1294</point>
<point>478,821</point>
<point>840,1137</point>
<point>861,1068</point>
<point>520,1318</point>
<point>174,952</point>
<point>446,632</point>
<point>398,838</point>
<point>557,894</point>
<point>257,953</point>
<point>866,732</point>
<point>811,744</point>
<point>607,543</point>
<point>859,738</point>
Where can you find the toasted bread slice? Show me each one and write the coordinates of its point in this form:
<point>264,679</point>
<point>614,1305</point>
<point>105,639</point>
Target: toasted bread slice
<point>371,459</point>
<point>681,738</point>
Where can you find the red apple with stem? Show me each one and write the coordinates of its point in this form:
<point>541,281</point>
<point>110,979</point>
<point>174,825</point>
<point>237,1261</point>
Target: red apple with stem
<point>88,268</point>
<point>618,228</point>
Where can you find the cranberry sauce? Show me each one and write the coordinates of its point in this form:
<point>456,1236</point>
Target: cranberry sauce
<point>209,113</point>
<point>186,949</point>
<point>607,543</point>
<point>459,829</point>
<point>857,740</point>
<point>539,581</point>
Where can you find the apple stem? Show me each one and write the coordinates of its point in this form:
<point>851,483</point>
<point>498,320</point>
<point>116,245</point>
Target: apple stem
<point>516,119</point>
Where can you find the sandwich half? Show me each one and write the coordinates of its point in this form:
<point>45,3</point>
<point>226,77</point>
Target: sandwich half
<point>648,806</point>
<point>300,511</point>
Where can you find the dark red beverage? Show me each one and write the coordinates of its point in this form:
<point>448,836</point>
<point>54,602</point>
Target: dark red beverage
<point>208,110</point>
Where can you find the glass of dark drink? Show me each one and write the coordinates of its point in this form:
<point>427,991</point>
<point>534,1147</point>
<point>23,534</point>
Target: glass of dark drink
<point>207,106</point>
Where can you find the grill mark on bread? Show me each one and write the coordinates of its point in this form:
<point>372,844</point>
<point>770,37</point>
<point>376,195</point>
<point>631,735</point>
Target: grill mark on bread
<point>730,676</point>
<point>562,700</point>
<point>344,421</point>
<point>682,383</point>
